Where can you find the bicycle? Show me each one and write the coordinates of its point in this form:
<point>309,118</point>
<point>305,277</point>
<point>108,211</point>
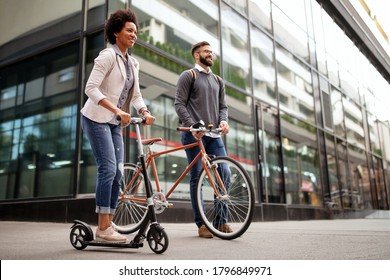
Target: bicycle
<point>223,190</point>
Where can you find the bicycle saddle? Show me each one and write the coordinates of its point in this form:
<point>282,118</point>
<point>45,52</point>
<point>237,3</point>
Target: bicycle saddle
<point>150,141</point>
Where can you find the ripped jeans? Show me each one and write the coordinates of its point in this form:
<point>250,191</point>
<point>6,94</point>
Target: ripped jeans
<point>107,146</point>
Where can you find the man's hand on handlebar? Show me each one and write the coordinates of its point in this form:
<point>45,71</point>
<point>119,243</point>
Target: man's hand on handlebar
<point>198,134</point>
<point>199,129</point>
<point>224,126</point>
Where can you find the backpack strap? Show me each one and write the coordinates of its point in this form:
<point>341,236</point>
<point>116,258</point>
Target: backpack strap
<point>193,74</point>
<point>218,79</point>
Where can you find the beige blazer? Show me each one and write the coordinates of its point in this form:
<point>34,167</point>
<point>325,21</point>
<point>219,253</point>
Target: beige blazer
<point>107,80</point>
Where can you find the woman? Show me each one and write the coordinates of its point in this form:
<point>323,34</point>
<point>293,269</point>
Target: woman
<point>112,86</point>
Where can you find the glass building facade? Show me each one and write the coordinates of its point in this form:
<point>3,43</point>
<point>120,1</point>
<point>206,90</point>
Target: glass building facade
<point>307,101</point>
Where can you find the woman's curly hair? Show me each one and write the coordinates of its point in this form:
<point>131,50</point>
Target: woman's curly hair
<point>116,22</point>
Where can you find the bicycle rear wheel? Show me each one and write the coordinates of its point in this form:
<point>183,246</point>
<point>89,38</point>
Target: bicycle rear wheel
<point>131,209</point>
<point>233,207</point>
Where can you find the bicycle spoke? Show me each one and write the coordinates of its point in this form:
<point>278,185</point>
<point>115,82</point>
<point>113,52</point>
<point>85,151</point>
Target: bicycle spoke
<point>131,211</point>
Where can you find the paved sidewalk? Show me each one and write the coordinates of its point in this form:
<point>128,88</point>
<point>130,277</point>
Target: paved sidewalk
<point>356,239</point>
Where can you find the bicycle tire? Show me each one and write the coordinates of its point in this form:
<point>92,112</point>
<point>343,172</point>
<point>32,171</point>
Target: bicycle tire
<point>238,201</point>
<point>132,208</point>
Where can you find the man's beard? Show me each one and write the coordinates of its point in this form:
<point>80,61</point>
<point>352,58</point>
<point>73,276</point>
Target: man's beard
<point>204,61</point>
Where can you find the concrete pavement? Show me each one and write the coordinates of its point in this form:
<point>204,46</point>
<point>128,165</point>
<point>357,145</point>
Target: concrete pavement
<point>354,239</point>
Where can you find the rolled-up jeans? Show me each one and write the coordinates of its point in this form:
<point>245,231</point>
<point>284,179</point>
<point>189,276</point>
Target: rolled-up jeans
<point>213,146</point>
<point>107,147</point>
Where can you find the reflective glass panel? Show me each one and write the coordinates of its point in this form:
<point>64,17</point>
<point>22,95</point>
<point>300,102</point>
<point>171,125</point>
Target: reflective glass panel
<point>317,23</point>
<point>235,48</point>
<point>260,13</point>
<point>39,144</point>
<point>238,5</point>
<point>96,13</point>
<point>38,24</point>
<point>240,146</point>
<point>34,84</point>
<point>358,193</point>
<point>295,10</point>
<point>349,84</point>
<point>333,70</point>
<point>301,162</point>
<point>381,193</point>
<point>330,38</point>
<point>173,27</point>
<point>270,151</point>
<point>9,91</point>
<point>353,123</point>
<point>334,185</point>
<point>114,5</point>
<point>342,196</point>
<point>263,69</point>
<point>374,126</point>
<point>289,34</point>
<point>338,112</point>
<point>384,133</point>
<point>321,60</point>
<point>294,85</point>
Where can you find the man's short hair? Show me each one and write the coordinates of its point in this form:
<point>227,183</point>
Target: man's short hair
<point>195,47</point>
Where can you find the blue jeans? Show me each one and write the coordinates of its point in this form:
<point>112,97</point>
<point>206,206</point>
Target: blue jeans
<point>107,146</point>
<point>213,146</point>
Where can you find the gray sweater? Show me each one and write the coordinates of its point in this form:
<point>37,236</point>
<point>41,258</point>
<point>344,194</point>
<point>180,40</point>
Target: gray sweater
<point>207,100</point>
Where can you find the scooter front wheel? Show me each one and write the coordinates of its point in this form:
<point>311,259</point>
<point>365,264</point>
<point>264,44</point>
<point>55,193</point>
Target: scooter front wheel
<point>158,240</point>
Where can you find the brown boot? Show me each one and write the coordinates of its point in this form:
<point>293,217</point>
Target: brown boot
<point>225,228</point>
<point>204,232</point>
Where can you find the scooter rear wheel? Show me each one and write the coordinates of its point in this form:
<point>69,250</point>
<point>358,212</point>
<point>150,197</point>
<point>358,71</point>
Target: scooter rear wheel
<point>79,235</point>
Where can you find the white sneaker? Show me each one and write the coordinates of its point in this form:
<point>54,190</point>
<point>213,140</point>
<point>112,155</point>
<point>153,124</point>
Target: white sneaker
<point>110,235</point>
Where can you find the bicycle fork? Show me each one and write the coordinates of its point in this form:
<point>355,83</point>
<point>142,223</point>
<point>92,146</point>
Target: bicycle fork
<point>207,165</point>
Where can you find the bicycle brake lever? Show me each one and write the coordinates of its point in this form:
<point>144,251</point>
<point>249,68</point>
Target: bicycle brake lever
<point>198,125</point>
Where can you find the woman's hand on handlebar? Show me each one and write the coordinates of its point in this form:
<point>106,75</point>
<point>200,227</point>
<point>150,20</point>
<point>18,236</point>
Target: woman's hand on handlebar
<point>149,119</point>
<point>145,120</point>
<point>124,118</point>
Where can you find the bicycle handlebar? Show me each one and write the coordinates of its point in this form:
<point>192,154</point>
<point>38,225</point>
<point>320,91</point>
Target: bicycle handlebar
<point>200,127</point>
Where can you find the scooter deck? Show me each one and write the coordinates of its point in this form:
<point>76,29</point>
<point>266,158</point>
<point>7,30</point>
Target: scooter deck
<point>130,244</point>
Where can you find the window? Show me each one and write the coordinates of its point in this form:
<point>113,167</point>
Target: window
<point>39,120</point>
<point>235,48</point>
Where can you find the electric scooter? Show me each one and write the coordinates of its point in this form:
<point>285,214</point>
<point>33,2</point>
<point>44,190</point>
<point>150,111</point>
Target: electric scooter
<point>81,234</point>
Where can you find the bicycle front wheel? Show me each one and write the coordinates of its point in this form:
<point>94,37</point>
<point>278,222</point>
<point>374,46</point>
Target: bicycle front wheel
<point>226,209</point>
<point>132,208</point>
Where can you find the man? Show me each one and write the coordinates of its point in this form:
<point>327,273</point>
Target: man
<point>200,95</point>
